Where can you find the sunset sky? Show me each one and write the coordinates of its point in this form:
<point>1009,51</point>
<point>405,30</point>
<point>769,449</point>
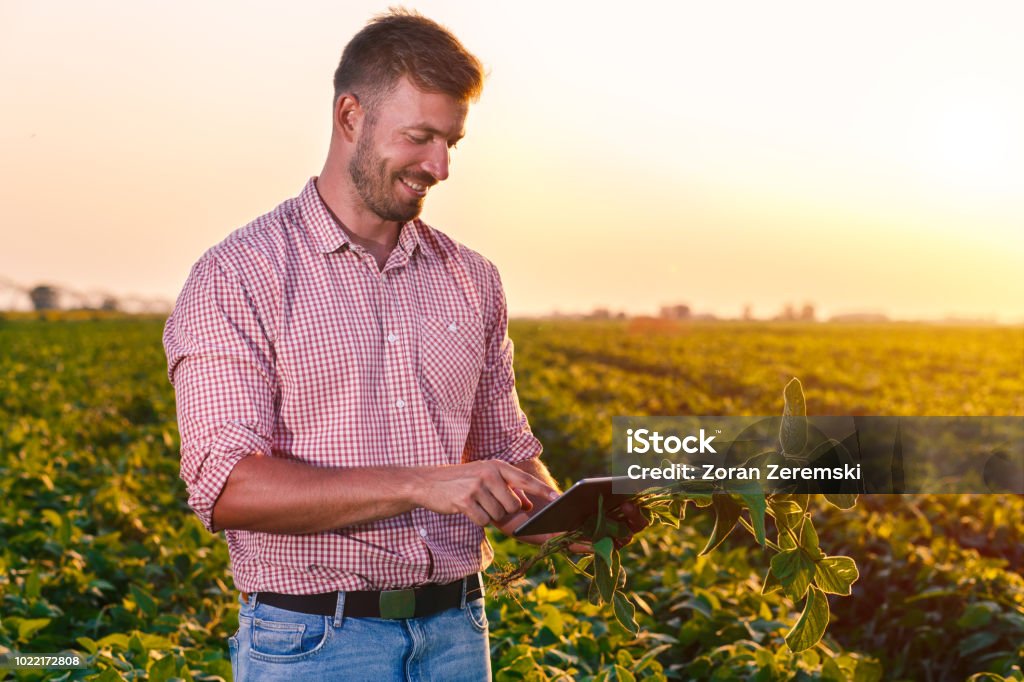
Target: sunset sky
<point>864,157</point>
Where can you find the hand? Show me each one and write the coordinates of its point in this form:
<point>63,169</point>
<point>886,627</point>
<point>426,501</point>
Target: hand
<point>509,524</point>
<point>486,491</point>
<point>626,513</point>
<point>634,519</point>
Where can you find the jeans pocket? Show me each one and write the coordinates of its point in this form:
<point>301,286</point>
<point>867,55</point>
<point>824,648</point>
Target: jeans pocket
<point>476,615</point>
<point>280,636</point>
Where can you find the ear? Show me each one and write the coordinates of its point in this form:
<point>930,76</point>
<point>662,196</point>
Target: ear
<point>348,117</point>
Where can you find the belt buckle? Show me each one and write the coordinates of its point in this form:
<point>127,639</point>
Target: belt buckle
<point>397,604</point>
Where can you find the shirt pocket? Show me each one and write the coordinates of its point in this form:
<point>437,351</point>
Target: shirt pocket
<point>451,359</point>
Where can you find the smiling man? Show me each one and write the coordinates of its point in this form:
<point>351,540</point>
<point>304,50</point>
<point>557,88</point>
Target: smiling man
<point>345,392</point>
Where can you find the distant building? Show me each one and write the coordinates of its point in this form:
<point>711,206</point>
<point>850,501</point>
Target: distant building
<point>790,313</point>
<point>675,312</point>
<point>44,297</point>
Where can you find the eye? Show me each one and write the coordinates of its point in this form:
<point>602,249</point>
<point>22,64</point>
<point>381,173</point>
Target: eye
<point>418,139</point>
<point>453,145</point>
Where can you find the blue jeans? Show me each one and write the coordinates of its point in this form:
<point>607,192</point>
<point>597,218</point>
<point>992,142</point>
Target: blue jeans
<point>275,644</point>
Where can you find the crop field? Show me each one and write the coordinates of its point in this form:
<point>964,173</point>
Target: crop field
<point>100,555</point>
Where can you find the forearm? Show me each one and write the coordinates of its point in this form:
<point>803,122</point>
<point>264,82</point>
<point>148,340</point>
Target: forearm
<point>274,495</point>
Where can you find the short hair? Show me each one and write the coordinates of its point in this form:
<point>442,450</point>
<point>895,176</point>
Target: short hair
<point>405,43</point>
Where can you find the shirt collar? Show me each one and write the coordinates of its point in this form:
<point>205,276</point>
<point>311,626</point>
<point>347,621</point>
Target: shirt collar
<point>327,233</point>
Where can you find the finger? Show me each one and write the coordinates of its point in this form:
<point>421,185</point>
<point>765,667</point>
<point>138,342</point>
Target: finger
<point>633,517</point>
<point>493,508</point>
<point>526,502</point>
<point>581,548</point>
<point>477,515</point>
<point>506,497</point>
<point>622,541</point>
<point>517,478</point>
<point>511,523</point>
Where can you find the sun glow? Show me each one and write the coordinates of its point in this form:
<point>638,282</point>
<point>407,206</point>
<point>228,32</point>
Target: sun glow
<point>973,145</point>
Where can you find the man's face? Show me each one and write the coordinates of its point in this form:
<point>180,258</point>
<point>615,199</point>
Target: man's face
<point>403,150</point>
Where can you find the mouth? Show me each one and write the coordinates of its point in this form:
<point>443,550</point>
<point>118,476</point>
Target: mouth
<point>414,188</point>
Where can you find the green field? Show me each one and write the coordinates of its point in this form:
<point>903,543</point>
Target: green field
<point>101,555</point>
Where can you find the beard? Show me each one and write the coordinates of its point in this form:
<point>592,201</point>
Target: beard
<point>375,183</point>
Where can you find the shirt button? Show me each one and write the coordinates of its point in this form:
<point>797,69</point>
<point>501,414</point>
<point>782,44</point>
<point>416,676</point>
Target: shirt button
<point>453,327</point>
<point>392,338</point>
<point>399,403</point>
<point>423,532</point>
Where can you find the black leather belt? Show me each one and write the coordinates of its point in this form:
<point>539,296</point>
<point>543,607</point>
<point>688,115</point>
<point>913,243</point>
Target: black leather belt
<point>393,604</point>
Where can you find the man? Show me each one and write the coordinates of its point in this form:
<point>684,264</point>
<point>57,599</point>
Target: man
<point>345,392</point>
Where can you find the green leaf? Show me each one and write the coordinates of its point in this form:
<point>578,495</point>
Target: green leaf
<point>88,644</point>
<point>842,500</point>
<point>33,585</point>
<point>186,675</point>
<point>793,430</point>
<point>581,565</point>
<point>788,512</point>
<point>809,541</point>
<point>835,574</point>
<point>771,584</point>
<point>604,579</point>
<point>27,627</point>
<point>603,548</point>
<point>831,672</point>
<point>795,571</point>
<point>623,675</point>
<point>809,629</point>
<point>144,600</point>
<point>163,670</point>
<point>118,640</point>
<point>978,615</point>
<point>727,515</point>
<point>151,641</point>
<point>700,500</point>
<point>593,593</point>
<point>552,618</point>
<point>757,504</point>
<point>867,671</point>
<point>53,517</point>
<point>977,642</point>
<point>625,613</point>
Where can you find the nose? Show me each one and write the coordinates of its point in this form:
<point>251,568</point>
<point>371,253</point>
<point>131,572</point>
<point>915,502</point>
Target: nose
<point>437,163</point>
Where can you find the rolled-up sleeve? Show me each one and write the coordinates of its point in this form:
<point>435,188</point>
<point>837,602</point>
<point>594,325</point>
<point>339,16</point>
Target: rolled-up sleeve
<point>498,428</point>
<point>220,361</point>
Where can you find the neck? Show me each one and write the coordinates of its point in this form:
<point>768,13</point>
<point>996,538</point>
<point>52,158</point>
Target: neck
<point>363,227</point>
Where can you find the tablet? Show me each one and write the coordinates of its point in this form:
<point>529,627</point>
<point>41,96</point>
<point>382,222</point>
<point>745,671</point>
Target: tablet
<point>576,505</point>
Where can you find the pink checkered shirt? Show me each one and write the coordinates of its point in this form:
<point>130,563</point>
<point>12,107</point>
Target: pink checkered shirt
<point>287,340</point>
